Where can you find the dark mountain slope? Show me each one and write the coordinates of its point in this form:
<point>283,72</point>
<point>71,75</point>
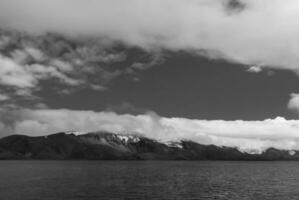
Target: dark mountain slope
<point>109,146</point>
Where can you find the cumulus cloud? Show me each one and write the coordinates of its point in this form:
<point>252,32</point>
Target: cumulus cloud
<point>254,69</point>
<point>23,79</point>
<point>246,135</point>
<point>4,97</point>
<point>28,60</point>
<point>125,107</point>
<point>255,32</point>
<point>13,74</point>
<point>293,103</point>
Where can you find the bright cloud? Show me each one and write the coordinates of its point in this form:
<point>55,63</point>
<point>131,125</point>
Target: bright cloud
<point>12,74</point>
<point>294,102</point>
<point>4,97</point>
<point>25,60</point>
<point>23,79</point>
<point>254,69</point>
<point>263,33</point>
<point>246,135</point>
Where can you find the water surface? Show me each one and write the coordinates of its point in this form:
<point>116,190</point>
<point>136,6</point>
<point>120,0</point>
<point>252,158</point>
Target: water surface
<point>77,180</point>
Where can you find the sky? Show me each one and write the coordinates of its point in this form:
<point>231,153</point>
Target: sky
<point>221,72</point>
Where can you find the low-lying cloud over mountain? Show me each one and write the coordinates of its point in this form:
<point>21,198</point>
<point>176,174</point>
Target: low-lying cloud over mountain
<point>246,135</point>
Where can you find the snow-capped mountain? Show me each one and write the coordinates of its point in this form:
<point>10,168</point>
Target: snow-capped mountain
<point>112,146</point>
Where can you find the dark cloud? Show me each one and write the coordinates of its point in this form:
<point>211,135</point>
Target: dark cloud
<point>234,6</point>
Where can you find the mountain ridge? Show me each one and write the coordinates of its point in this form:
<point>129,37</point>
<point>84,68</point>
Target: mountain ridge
<point>112,146</point>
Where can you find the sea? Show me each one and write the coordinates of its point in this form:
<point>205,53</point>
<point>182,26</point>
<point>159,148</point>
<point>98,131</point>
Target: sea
<point>93,180</point>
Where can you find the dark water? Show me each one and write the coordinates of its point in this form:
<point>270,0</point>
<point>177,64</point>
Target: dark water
<point>55,180</point>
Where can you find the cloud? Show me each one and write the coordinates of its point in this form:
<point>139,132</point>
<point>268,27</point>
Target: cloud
<point>255,32</point>
<point>246,135</point>
<point>92,42</point>
<point>293,103</point>
<point>125,107</point>
<point>89,63</point>
<point>24,79</point>
<point>254,69</point>
<point>13,74</point>
<point>4,97</point>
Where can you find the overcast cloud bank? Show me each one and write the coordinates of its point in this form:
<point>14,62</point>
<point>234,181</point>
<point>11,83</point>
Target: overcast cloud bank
<point>262,33</point>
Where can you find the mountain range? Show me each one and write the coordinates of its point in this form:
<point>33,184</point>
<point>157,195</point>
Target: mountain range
<point>111,146</point>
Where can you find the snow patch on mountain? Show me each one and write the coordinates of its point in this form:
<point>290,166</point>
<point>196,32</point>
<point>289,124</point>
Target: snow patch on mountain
<point>75,132</point>
<point>292,152</point>
<point>177,144</point>
<point>128,138</point>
